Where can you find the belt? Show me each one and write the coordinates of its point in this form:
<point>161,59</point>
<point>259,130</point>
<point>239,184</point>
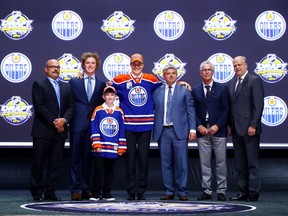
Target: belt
<point>168,126</point>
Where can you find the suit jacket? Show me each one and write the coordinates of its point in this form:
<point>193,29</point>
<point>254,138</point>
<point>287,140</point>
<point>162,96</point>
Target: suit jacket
<point>183,113</point>
<point>216,104</point>
<point>46,108</point>
<point>247,105</point>
<point>82,108</point>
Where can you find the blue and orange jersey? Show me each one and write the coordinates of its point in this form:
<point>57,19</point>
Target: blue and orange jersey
<point>108,132</point>
<point>136,101</point>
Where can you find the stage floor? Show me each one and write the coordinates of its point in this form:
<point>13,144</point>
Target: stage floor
<point>271,203</point>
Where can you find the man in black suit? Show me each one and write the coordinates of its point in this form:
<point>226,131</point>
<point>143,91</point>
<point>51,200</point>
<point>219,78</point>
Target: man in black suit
<point>247,102</point>
<point>52,101</point>
<point>211,102</point>
<point>87,94</point>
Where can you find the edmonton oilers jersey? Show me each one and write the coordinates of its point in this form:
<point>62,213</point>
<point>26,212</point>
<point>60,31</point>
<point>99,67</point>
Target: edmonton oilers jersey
<point>135,95</point>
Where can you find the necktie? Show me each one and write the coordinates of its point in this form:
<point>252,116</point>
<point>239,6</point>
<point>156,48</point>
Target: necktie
<point>89,88</point>
<point>168,106</point>
<point>238,85</point>
<point>57,91</point>
<point>207,90</point>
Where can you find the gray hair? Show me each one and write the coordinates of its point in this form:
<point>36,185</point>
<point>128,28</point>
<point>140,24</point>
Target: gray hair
<point>169,66</point>
<point>207,62</point>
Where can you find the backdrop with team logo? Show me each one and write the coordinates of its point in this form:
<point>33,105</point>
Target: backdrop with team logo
<point>183,33</point>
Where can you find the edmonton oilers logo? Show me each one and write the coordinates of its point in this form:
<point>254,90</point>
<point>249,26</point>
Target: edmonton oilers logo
<point>116,64</point>
<point>16,67</point>
<point>171,59</point>
<point>274,112</point>
<point>67,25</point>
<point>16,25</point>
<point>109,126</point>
<point>16,111</point>
<point>271,68</point>
<point>138,96</point>
<point>70,67</point>
<point>270,25</point>
<point>220,26</point>
<point>169,25</point>
<point>223,67</point>
<point>118,26</point>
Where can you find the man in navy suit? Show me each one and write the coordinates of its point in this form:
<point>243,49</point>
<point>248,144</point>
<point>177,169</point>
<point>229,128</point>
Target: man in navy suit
<point>211,102</point>
<point>173,126</point>
<point>80,145</point>
<point>52,101</point>
<point>247,101</point>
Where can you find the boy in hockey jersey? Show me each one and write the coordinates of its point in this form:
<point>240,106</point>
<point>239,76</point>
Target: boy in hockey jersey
<point>108,142</point>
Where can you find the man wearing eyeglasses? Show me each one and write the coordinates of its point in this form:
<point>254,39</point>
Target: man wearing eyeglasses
<point>52,101</point>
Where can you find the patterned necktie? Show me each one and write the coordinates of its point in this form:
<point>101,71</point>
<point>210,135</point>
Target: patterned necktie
<point>168,106</point>
<point>89,88</point>
<point>238,85</point>
<point>207,90</point>
<point>57,91</point>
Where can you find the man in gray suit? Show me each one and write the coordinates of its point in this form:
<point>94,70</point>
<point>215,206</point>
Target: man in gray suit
<point>247,102</point>
<point>174,125</point>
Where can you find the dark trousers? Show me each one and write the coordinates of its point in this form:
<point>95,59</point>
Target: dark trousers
<point>103,169</point>
<point>80,162</point>
<point>137,161</point>
<point>47,155</point>
<point>246,152</point>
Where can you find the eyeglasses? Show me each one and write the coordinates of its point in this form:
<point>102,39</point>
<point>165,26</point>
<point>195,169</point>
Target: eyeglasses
<point>53,66</point>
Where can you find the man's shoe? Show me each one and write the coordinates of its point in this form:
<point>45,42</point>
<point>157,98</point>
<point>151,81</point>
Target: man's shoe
<point>52,198</point>
<point>167,197</point>
<point>75,196</point>
<point>253,197</point>
<point>239,197</point>
<point>86,195</point>
<point>204,196</point>
<point>131,197</point>
<point>140,196</point>
<point>95,198</point>
<point>108,197</point>
<point>183,198</point>
<point>38,199</point>
<point>221,197</point>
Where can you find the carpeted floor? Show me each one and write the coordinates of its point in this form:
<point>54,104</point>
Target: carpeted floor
<point>270,203</point>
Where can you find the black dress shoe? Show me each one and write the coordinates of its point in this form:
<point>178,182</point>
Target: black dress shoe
<point>204,196</point>
<point>131,197</point>
<point>140,196</point>
<point>52,198</point>
<point>253,197</point>
<point>221,197</point>
<point>239,197</point>
<point>38,199</point>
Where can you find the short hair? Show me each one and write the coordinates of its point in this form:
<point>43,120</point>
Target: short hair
<point>169,66</point>
<point>94,55</point>
<point>206,62</point>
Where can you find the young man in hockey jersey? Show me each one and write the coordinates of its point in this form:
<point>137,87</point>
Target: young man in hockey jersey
<point>108,142</point>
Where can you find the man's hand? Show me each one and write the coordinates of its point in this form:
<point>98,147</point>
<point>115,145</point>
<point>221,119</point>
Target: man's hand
<point>185,84</point>
<point>192,136</point>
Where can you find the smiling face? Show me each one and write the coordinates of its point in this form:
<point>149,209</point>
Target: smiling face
<point>206,73</point>
<point>90,66</point>
<point>137,67</point>
<point>52,69</point>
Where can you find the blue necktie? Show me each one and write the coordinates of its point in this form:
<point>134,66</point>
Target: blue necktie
<point>168,106</point>
<point>89,88</point>
<point>57,91</point>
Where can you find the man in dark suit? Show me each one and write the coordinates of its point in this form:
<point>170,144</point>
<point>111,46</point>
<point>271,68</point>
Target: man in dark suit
<point>87,94</point>
<point>52,101</point>
<point>211,102</point>
<point>247,102</point>
<point>173,126</point>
